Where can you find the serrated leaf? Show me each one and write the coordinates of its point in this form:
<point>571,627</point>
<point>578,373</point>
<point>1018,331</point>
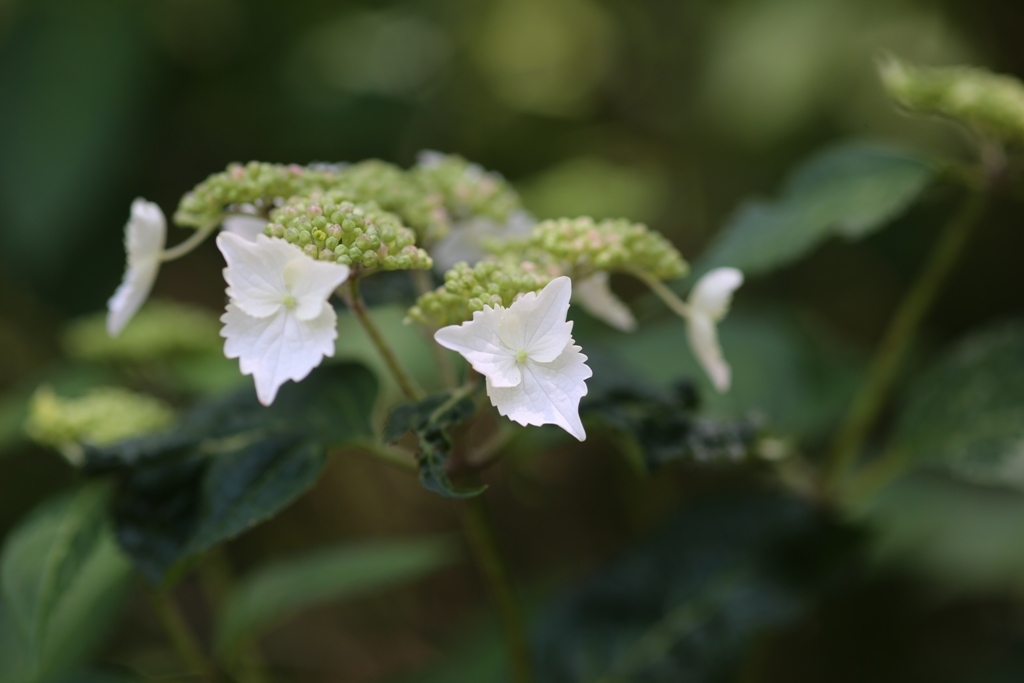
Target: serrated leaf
<point>276,592</point>
<point>966,415</point>
<point>64,558</point>
<point>228,465</point>
<point>849,191</point>
<point>430,419</point>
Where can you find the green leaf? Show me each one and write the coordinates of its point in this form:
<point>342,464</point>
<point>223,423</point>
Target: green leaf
<point>64,582</point>
<point>686,605</point>
<point>430,419</point>
<point>849,191</point>
<point>966,415</point>
<point>277,592</point>
<point>229,465</point>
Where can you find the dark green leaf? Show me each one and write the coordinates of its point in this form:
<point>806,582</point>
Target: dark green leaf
<point>430,419</point>
<point>849,191</point>
<point>685,605</point>
<point>277,592</point>
<point>967,414</point>
<point>229,465</point>
<point>63,556</point>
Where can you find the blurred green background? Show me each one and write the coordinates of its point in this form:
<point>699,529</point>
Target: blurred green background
<point>666,111</point>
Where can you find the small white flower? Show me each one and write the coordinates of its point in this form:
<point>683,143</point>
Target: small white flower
<point>598,299</point>
<point>246,224</point>
<point>279,323</point>
<point>144,238</point>
<point>535,374</point>
<point>708,303</point>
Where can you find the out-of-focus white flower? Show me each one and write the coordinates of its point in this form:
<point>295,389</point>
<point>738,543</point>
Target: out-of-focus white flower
<point>535,373</point>
<point>278,322</point>
<point>467,238</point>
<point>246,224</point>
<point>708,303</point>
<point>597,298</point>
<point>144,237</point>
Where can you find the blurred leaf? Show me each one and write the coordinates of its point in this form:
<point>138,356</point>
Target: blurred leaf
<point>430,419</point>
<point>277,592</point>
<point>665,428</point>
<point>850,191</point>
<point>685,605</point>
<point>65,579</point>
<point>964,534</point>
<point>967,414</point>
<point>229,465</point>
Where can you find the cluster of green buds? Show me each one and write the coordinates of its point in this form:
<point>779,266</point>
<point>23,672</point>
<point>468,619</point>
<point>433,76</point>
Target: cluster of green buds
<point>102,416</point>
<point>255,183</point>
<point>329,226</point>
<point>395,190</point>
<point>468,289</point>
<point>468,190</point>
<point>160,330</point>
<point>988,103</point>
<point>582,246</point>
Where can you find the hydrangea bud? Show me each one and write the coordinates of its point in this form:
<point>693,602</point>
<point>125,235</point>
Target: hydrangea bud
<point>468,189</point>
<point>583,246</point>
<point>328,225</point>
<point>104,415</point>
<point>988,103</point>
<point>468,289</point>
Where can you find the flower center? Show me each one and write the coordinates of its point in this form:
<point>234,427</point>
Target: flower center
<point>288,301</point>
<point>521,356</point>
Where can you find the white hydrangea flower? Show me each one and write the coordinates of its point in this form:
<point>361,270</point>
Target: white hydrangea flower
<point>144,237</point>
<point>597,298</point>
<point>279,323</point>
<point>535,374</point>
<point>246,224</point>
<point>708,303</point>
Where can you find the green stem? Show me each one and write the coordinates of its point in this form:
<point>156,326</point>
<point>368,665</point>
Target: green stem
<point>358,307</point>
<point>480,534</point>
<point>184,642</point>
<point>392,455</point>
<point>182,248</point>
<point>663,292</point>
<point>898,338</point>
<point>421,279</point>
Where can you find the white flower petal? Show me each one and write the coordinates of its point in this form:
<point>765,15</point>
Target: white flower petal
<point>713,292</point>
<point>247,227</point>
<point>703,336</point>
<point>597,298</point>
<point>550,393</point>
<point>279,347</point>
<point>311,283</point>
<point>479,343</point>
<point>144,237</point>
<point>255,272</point>
<point>536,322</point>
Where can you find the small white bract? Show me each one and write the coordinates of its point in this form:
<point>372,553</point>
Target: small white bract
<point>246,224</point>
<point>708,303</point>
<point>144,238</point>
<point>278,323</point>
<point>535,374</point>
<point>597,298</point>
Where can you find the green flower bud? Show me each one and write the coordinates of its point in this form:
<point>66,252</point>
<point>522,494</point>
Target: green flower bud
<point>468,189</point>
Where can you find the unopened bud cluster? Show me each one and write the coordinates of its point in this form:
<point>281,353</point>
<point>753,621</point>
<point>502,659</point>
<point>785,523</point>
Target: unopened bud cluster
<point>329,227</point>
<point>160,330</point>
<point>468,189</point>
<point>103,416</point>
<point>986,102</point>
<point>256,183</point>
<point>582,246</point>
<point>468,289</point>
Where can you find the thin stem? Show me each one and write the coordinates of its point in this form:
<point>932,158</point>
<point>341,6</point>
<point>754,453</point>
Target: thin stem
<point>182,248</point>
<point>898,338</point>
<point>663,292</point>
<point>358,307</point>
<point>184,642</point>
<point>480,534</point>
<point>421,279</point>
<point>392,455</point>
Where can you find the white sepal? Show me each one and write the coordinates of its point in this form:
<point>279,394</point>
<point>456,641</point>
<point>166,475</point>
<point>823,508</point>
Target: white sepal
<point>597,299</point>
<point>708,303</point>
<point>245,224</point>
<point>144,237</point>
